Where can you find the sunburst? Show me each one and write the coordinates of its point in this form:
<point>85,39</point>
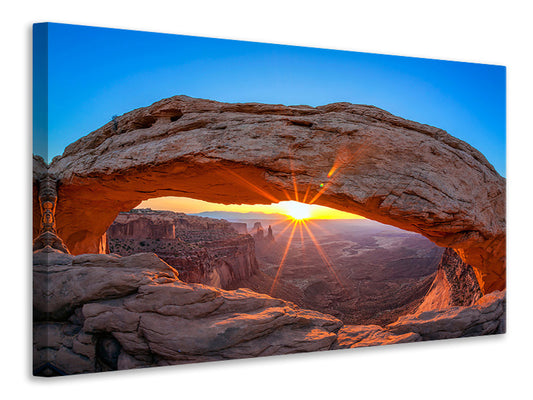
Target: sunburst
<point>298,214</point>
<point>323,255</point>
<point>278,273</point>
<point>296,210</point>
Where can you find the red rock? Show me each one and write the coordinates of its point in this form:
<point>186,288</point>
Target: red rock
<point>203,250</point>
<point>370,162</point>
<point>352,336</point>
<point>455,284</point>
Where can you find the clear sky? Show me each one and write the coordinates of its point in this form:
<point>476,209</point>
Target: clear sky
<point>95,73</point>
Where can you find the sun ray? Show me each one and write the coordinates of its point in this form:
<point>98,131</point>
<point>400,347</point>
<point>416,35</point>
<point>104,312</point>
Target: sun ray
<point>287,195</point>
<point>287,227</point>
<point>294,180</point>
<point>283,258</point>
<point>300,224</point>
<point>332,170</point>
<point>317,226</point>
<point>301,233</point>
<point>323,255</point>
<point>281,221</point>
<point>322,190</point>
<point>306,193</point>
<point>344,157</point>
<point>249,184</point>
<point>342,160</point>
<point>279,224</point>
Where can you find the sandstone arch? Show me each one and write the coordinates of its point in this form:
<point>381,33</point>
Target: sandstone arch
<point>370,162</point>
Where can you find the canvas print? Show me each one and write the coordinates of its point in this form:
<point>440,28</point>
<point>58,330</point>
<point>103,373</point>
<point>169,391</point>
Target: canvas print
<point>198,199</point>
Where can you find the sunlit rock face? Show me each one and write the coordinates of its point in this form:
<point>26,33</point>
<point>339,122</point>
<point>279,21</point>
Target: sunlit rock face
<point>485,317</point>
<point>354,158</point>
<point>454,285</point>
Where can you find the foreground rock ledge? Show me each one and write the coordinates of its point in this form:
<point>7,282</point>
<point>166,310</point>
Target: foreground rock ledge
<point>103,312</point>
<point>399,172</point>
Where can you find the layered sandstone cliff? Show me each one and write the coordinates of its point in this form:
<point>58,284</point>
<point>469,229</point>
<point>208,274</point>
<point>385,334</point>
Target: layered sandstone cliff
<point>455,284</point>
<point>202,250</point>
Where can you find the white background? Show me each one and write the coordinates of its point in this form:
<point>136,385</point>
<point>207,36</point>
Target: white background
<point>494,32</point>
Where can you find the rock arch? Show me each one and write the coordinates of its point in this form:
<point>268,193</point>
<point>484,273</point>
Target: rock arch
<point>354,158</point>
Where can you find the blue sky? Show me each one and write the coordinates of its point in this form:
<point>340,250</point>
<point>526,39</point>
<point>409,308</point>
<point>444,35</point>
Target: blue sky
<point>95,73</point>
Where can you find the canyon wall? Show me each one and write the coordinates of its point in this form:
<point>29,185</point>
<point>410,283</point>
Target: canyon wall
<point>454,285</point>
<point>240,227</point>
<point>202,250</point>
<point>354,158</point>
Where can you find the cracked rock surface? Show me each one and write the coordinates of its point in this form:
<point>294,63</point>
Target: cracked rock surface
<point>97,312</point>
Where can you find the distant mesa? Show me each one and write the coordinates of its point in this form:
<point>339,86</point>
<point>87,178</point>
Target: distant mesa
<point>259,233</point>
<point>240,227</point>
<point>257,230</point>
<point>270,235</point>
<point>234,215</point>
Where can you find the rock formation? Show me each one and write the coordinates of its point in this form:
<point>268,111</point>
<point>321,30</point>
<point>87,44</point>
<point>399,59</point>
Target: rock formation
<point>203,250</point>
<point>270,235</point>
<point>485,317</point>
<point>153,224</point>
<point>258,232</point>
<point>454,285</point>
<point>354,158</point>
<point>99,312</point>
<point>135,225</point>
<point>240,227</point>
<point>44,207</point>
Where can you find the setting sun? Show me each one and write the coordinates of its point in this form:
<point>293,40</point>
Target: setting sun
<point>293,209</point>
<point>296,210</point>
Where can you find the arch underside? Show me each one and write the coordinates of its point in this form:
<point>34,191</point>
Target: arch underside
<point>352,158</point>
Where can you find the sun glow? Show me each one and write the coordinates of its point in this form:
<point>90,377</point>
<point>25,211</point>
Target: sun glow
<point>295,207</point>
<point>298,213</point>
<point>292,209</point>
<point>296,210</point>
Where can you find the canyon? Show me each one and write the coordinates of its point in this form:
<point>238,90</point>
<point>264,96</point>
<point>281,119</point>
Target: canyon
<point>202,250</point>
<point>359,271</point>
<point>95,311</point>
<point>384,272</point>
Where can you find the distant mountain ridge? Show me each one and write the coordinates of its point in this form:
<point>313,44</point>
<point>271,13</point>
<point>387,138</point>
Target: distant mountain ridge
<point>235,215</point>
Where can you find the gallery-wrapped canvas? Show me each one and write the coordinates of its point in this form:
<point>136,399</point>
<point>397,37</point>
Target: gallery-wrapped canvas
<point>199,199</point>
